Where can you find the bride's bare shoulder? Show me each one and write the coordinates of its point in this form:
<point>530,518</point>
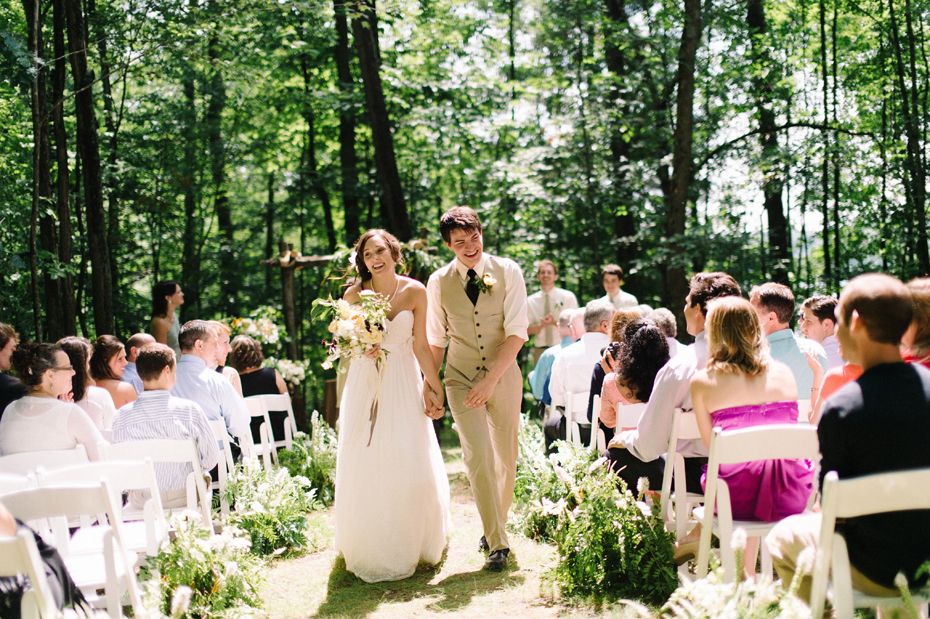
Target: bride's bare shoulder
<point>411,284</point>
<point>352,294</point>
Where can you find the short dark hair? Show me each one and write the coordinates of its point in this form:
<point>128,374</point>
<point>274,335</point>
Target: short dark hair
<point>79,351</point>
<point>458,218</point>
<point>246,353</point>
<point>822,306</point>
<point>105,348</point>
<point>547,263</point>
<point>31,361</point>
<point>7,333</point>
<point>643,353</point>
<point>159,292</point>
<point>194,330</point>
<point>884,305</point>
<point>612,269</point>
<point>389,239</point>
<point>772,297</point>
<point>706,286</point>
<point>152,359</point>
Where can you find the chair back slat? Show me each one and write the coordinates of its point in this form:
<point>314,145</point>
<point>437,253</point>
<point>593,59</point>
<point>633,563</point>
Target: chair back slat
<point>10,482</point>
<point>882,492</point>
<point>29,461</point>
<point>628,415</point>
<point>770,442</point>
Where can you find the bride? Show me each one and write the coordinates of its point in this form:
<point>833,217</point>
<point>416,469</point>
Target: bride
<point>392,493</point>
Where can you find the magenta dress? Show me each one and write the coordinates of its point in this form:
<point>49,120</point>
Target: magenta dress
<point>766,490</point>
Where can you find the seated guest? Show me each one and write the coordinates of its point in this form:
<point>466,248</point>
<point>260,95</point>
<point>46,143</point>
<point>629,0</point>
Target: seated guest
<point>222,351</point>
<point>133,344</point>
<point>744,387</point>
<point>576,330</point>
<point>817,323</point>
<point>542,308</point>
<point>878,423</point>
<point>642,353</point>
<point>607,362</point>
<point>156,414</point>
<point>247,357</point>
<point>830,382</point>
<point>95,401</point>
<point>612,278</point>
<point>10,387</point>
<point>541,372</point>
<point>197,382</point>
<point>40,421</point>
<point>666,322</point>
<point>571,370</point>
<point>916,340</point>
<point>638,453</point>
<point>774,303</point>
<point>107,364</point>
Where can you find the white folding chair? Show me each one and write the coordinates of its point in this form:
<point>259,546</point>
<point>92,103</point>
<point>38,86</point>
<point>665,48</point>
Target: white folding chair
<point>19,555</point>
<point>110,569</point>
<point>225,465</point>
<point>257,408</point>
<point>140,536</point>
<point>576,416</point>
<point>180,451</point>
<point>770,442</point>
<point>851,498</point>
<point>28,461</point>
<point>10,482</point>
<point>280,402</point>
<point>675,507</point>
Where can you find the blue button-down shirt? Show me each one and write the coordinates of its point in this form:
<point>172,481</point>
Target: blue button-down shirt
<point>541,372</point>
<point>214,394</point>
<point>131,376</point>
<point>789,349</point>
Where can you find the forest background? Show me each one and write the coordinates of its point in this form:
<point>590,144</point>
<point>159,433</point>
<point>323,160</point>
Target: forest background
<point>143,140</point>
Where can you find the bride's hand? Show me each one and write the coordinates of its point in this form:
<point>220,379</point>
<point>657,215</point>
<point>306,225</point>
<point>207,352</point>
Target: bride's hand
<point>433,402</point>
<point>373,352</point>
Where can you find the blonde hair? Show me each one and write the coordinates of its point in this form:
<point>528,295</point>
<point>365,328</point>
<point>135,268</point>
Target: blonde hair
<point>219,327</point>
<point>619,322</point>
<point>734,337</point>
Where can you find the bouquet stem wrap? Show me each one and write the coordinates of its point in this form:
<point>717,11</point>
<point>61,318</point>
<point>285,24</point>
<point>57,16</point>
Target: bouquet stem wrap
<point>373,417</point>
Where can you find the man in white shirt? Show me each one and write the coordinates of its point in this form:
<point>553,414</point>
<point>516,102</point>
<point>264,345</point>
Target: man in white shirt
<point>544,306</point>
<point>613,278</point>
<point>130,374</point>
<point>639,453</point>
<point>818,323</point>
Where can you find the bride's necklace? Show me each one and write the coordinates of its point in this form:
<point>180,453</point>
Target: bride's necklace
<point>393,294</point>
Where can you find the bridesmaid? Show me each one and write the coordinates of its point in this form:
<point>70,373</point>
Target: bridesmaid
<point>165,326</point>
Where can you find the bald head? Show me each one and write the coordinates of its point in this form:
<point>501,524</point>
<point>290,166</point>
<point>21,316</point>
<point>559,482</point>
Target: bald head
<point>136,342</point>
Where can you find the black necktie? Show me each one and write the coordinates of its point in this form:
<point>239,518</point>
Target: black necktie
<point>471,288</point>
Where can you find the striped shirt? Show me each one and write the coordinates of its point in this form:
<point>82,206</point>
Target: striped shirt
<point>159,415</point>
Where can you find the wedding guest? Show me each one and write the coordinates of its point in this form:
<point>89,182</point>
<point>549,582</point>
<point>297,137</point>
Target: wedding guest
<point>878,423</point>
<point>10,387</point>
<point>542,308</point>
<point>165,327</point>
<point>665,320</point>
<point>576,330</point>
<point>107,364</point>
<point>157,414</point>
<point>607,362</point>
<point>40,421</point>
<point>832,381</point>
<point>916,340</point>
<point>743,387</point>
<point>612,277</point>
<point>774,303</point>
<point>133,344</point>
<point>540,373</point>
<point>247,358</point>
<point>638,453</point>
<point>196,382</point>
<point>818,323</point>
<point>222,351</point>
<point>95,401</point>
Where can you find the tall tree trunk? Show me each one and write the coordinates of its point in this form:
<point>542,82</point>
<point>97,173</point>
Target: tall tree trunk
<point>269,233</point>
<point>676,283</point>
<point>311,171</point>
<point>89,150</point>
<point>764,83</point>
<point>190,262</point>
<point>920,184</point>
<point>348,161</point>
<point>393,205</point>
<point>827,264</point>
<point>836,154</point>
<point>63,185</point>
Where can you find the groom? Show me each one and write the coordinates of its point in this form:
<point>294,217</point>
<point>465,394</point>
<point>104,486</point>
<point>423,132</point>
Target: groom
<point>477,308</point>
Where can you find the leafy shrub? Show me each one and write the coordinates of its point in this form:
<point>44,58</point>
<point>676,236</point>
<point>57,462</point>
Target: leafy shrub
<point>314,457</point>
<point>271,507</point>
<point>223,577</point>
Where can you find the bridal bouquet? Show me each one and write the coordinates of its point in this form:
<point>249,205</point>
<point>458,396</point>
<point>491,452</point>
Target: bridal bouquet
<point>355,328</point>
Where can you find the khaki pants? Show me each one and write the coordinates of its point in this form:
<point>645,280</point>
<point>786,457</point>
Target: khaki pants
<point>489,444</point>
<point>795,533</point>
<point>169,500</point>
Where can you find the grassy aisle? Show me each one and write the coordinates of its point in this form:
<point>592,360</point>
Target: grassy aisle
<point>318,585</point>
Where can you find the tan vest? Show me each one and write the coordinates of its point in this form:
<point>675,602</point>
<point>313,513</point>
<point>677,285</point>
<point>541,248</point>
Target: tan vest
<point>476,332</point>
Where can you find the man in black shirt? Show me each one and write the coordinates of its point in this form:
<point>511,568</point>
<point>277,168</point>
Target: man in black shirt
<point>876,424</point>
<point>10,388</point>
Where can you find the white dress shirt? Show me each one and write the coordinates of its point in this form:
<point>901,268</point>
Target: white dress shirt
<point>515,322</point>
<point>672,390</point>
<point>559,299</point>
<point>831,346</point>
<point>571,370</point>
<point>213,393</point>
<point>621,301</point>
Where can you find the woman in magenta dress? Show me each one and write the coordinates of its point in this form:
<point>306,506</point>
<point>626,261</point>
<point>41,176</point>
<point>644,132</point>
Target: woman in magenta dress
<point>743,386</point>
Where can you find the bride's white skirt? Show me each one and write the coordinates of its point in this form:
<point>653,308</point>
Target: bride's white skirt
<point>392,496</point>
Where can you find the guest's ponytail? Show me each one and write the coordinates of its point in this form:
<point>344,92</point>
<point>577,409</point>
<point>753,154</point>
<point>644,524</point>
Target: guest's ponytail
<point>32,360</point>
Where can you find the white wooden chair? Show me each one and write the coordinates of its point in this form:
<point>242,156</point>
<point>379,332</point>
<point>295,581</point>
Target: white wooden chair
<point>770,442</point>
<point>675,507</point>
<point>257,408</point>
<point>19,555</point>
<point>110,569</point>
<point>598,439</point>
<point>226,465</point>
<point>10,482</point>
<point>181,451</point>
<point>28,461</point>
<point>576,416</point>
<point>851,498</point>
<point>140,536</point>
<point>280,402</point>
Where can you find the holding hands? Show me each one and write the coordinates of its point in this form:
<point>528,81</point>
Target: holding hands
<point>434,401</point>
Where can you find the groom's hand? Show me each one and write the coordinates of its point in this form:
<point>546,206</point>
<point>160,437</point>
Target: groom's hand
<point>481,392</point>
<point>434,403</point>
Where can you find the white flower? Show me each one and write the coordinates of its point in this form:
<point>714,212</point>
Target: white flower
<point>353,258</point>
<point>181,601</point>
<point>738,540</point>
<point>806,560</point>
<point>900,581</point>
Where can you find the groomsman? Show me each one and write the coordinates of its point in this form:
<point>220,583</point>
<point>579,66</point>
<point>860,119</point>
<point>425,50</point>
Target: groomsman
<point>544,307</point>
<point>612,278</point>
<point>477,308</point>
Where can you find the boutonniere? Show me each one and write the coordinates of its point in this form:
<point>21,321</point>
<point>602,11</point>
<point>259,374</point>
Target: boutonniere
<point>485,283</point>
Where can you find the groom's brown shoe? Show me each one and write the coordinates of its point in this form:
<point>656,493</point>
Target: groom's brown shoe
<point>483,545</point>
<point>497,560</point>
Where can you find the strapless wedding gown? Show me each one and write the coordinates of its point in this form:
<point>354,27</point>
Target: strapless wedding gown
<point>392,494</point>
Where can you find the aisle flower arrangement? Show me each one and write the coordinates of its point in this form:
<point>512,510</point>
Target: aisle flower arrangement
<point>313,457</point>
<point>293,372</point>
<point>260,325</point>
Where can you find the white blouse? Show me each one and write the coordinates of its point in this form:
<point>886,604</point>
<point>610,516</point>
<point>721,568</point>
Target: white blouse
<point>98,404</point>
<point>45,424</point>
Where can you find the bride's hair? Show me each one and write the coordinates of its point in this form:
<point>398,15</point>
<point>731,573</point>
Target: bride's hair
<point>389,239</point>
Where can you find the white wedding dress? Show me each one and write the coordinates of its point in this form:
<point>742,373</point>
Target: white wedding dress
<point>392,494</point>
